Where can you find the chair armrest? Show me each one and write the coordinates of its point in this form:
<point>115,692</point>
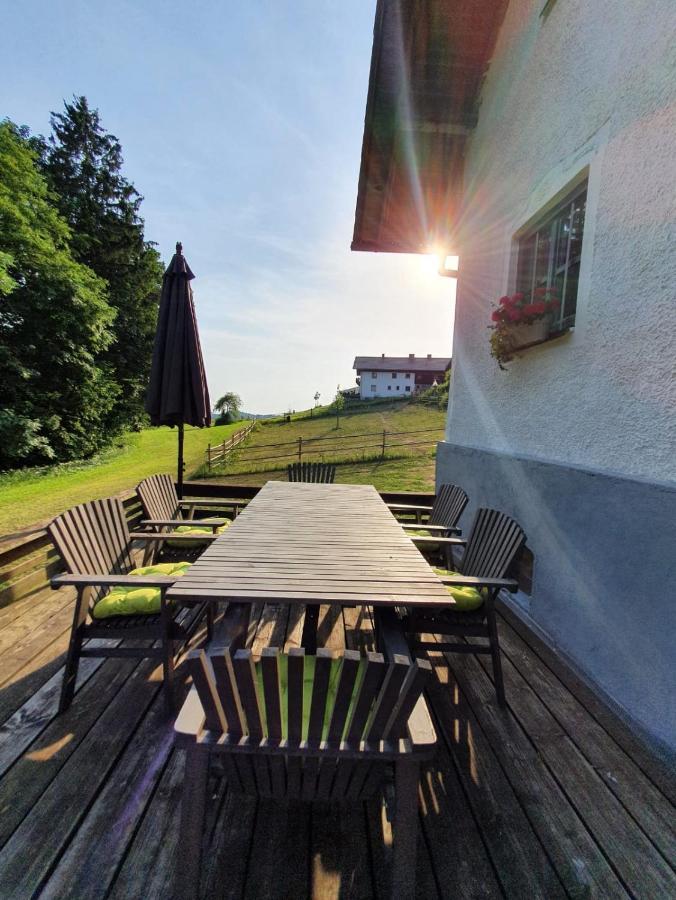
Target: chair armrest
<point>409,507</point>
<point>212,501</point>
<point>215,523</point>
<point>179,538</point>
<point>431,528</point>
<point>159,581</point>
<point>471,581</point>
<point>419,539</point>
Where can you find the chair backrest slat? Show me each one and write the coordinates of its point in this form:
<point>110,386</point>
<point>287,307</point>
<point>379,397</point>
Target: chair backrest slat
<point>494,541</point>
<point>372,680</point>
<point>93,538</point>
<point>271,692</point>
<point>348,677</point>
<point>448,506</point>
<point>295,669</point>
<point>397,671</point>
<point>203,677</point>
<point>245,677</point>
<point>314,472</point>
<point>320,690</point>
<point>158,497</point>
<point>227,691</point>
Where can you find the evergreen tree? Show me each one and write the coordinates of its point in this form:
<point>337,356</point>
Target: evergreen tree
<point>83,164</point>
<point>54,323</point>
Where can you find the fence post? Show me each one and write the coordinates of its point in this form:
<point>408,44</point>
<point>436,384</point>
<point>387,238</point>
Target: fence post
<point>209,457</point>
<point>300,449</point>
<point>383,452</point>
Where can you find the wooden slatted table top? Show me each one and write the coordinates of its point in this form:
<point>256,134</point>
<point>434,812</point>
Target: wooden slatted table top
<point>314,543</point>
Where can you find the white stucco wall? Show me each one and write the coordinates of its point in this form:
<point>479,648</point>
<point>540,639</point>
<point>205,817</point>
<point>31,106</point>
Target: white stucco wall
<point>386,385</point>
<point>592,86</point>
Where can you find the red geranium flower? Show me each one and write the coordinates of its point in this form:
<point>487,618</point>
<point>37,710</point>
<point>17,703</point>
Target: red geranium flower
<point>505,301</point>
<point>513,314</point>
<point>554,304</point>
<point>538,308</point>
<point>496,315</point>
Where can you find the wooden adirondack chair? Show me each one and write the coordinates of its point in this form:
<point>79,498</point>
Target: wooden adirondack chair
<point>493,543</point>
<point>449,497</point>
<point>449,505</point>
<point>336,747</point>
<point>163,508</point>
<point>94,542</point>
<point>318,473</point>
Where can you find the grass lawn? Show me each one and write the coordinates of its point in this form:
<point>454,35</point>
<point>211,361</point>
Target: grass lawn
<point>31,496</point>
<point>411,473</point>
<point>358,438</point>
<point>408,467</point>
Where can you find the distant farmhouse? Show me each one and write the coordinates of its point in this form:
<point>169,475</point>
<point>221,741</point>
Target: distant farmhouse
<point>396,376</point>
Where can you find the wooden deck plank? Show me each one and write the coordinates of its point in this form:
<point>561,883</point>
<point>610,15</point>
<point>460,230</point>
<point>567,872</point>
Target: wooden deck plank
<point>22,728</point>
<point>519,858</point>
<point>639,865</point>
<point>640,797</point>
<point>660,771</point>
<point>28,857</point>
<point>149,868</point>
<point>90,864</point>
<point>579,862</point>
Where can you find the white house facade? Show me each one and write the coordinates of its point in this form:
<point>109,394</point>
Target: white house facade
<point>398,376</point>
<point>568,181</point>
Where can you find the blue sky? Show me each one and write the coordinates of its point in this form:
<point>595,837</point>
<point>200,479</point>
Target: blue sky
<point>241,124</point>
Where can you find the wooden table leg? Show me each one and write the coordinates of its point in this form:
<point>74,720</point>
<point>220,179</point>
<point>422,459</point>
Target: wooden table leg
<point>309,639</point>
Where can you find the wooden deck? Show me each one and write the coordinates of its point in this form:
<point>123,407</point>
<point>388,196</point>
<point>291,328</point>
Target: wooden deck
<point>549,798</point>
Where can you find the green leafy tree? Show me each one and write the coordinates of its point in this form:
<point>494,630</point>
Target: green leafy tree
<point>338,405</point>
<point>55,323</point>
<point>83,166</point>
<point>228,406</point>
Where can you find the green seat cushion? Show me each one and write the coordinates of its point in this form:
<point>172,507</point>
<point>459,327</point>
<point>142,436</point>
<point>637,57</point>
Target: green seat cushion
<point>195,529</point>
<point>466,598</point>
<point>124,600</point>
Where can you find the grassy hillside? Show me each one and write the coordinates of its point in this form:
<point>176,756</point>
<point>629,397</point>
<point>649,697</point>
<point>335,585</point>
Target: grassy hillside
<point>355,444</point>
<point>31,496</point>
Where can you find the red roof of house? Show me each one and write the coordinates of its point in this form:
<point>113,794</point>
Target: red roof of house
<point>402,363</point>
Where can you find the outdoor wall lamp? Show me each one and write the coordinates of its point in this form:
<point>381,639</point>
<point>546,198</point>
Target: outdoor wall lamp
<point>448,266</point>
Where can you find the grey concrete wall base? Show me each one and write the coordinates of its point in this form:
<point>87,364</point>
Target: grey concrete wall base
<point>604,580</point>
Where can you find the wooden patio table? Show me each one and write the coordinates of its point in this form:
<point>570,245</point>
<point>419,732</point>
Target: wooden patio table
<point>314,544</point>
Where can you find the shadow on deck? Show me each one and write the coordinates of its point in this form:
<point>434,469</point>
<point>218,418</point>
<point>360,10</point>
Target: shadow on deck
<point>549,798</point>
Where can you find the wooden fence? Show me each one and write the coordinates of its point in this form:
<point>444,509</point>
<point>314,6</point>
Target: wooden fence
<point>375,442</point>
<point>221,451</point>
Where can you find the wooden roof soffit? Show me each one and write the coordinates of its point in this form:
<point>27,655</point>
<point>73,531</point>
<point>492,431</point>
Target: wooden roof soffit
<point>428,62</point>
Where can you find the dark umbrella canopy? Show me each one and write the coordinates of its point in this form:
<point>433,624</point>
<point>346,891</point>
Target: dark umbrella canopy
<point>178,393</point>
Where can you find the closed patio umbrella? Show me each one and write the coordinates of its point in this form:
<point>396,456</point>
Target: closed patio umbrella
<point>178,393</point>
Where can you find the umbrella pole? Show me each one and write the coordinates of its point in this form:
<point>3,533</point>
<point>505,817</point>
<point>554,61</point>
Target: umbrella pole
<point>179,488</point>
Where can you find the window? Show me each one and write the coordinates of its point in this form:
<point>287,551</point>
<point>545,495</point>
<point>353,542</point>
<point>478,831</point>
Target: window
<point>394,374</point>
<point>407,388</point>
<point>389,387</point>
<point>374,374</point>
<point>398,388</point>
<point>373,387</point>
<point>549,255</point>
<point>407,375</point>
